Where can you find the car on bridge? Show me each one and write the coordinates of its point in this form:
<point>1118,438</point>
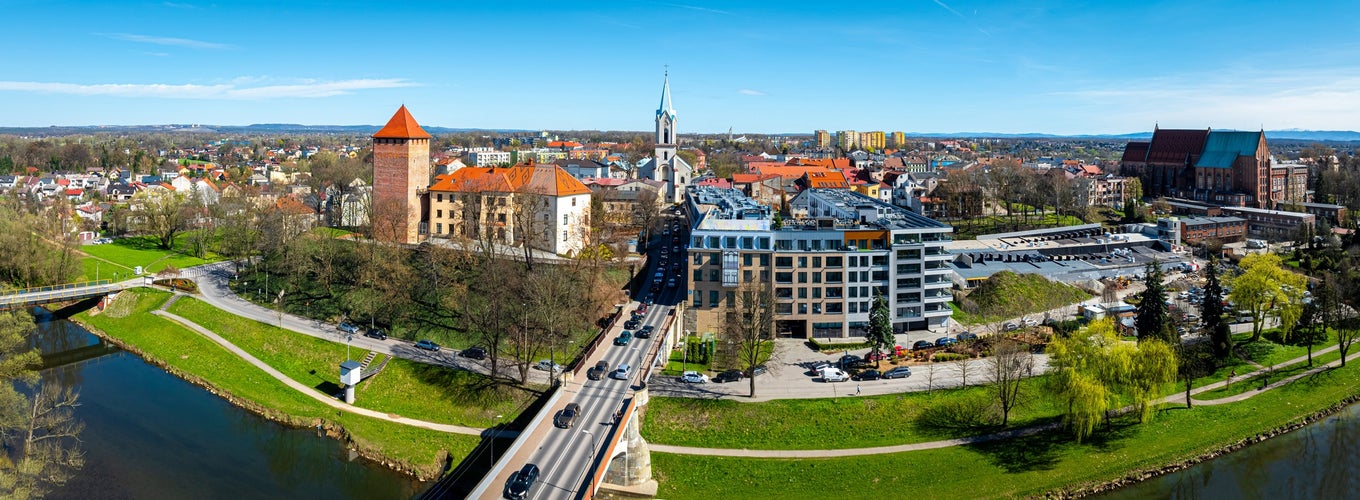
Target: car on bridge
<point>427,345</point>
<point>624,338</point>
<point>348,327</point>
<point>597,372</point>
<point>567,416</point>
<point>645,332</point>
<point>521,481</point>
<point>622,372</point>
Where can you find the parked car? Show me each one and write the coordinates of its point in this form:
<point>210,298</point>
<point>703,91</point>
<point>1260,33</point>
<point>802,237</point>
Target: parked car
<point>521,481</point>
<point>875,357</point>
<point>898,372</point>
<point>757,371</point>
<point>473,352</point>
<point>1011,326</point>
<point>348,327</point>
<point>645,332</point>
<point>849,360</point>
<point>548,365</point>
<point>728,376</point>
<point>830,374</point>
<point>597,372</point>
<point>567,416</point>
<point>376,333</point>
<point>427,345</point>
<point>1031,322</point>
<point>966,336</point>
<point>693,377</point>
<point>868,375</point>
<point>944,341</point>
<point>622,372</point>
<point>624,338</point>
<point>922,344</point>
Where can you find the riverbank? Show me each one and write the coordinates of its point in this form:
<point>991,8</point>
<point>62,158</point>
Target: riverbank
<point>418,452</point>
<point>1044,464</point>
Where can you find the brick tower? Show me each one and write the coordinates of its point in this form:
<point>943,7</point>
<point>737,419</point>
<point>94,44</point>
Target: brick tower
<point>401,173</point>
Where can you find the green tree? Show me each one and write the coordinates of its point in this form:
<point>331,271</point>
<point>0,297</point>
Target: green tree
<point>1153,316</point>
<point>161,213</point>
<point>1211,312</point>
<point>1093,371</point>
<point>1265,289</point>
<point>38,433</point>
<point>880,334</point>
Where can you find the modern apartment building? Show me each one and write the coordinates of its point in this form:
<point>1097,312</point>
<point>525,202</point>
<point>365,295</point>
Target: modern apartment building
<point>488,158</point>
<point>847,139</point>
<point>822,139</point>
<point>822,264</point>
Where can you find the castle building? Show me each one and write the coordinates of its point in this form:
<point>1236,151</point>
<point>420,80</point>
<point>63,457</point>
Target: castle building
<point>401,172</point>
<point>666,166</point>
<point>538,202</point>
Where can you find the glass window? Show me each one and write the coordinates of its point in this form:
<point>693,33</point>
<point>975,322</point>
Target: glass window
<point>802,262</point>
<point>713,275</point>
<point>783,262</point>
<point>783,293</point>
<point>833,277</point>
<point>802,293</point>
<point>764,275</point>
<point>746,275</point>
<point>816,277</point>
<point>712,298</point>
<point>746,259</point>
<point>834,308</point>
<point>802,308</point>
<point>816,262</point>
<point>816,293</point>
<point>765,259</point>
<point>730,242</point>
<point>784,308</point>
<point>834,292</point>
<point>854,307</point>
<point>698,275</point>
<point>854,292</point>
<point>783,277</point>
<point>802,277</point>
<point>880,260</point>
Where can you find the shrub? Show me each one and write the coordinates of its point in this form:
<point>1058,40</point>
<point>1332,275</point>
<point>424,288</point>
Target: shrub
<point>949,356</point>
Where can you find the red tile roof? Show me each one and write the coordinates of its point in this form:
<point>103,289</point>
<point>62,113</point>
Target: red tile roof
<point>546,179</point>
<point>402,126</point>
<point>1135,151</point>
<point>1176,146</point>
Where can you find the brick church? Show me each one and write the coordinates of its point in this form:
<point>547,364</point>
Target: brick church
<point>1221,167</point>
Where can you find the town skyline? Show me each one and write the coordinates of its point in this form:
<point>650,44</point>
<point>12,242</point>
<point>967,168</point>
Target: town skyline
<point>928,67</point>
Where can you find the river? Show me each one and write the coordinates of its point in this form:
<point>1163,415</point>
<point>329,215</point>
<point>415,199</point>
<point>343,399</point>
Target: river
<point>149,434</point>
<point>1318,461</point>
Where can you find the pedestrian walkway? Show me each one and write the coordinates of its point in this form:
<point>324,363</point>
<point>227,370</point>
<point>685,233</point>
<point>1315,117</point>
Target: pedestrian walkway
<point>931,445</point>
<point>327,400</point>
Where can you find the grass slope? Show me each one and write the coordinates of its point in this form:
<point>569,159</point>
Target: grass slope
<point>124,254</point>
<point>1008,295</point>
<point>419,450</point>
<point>1015,468</point>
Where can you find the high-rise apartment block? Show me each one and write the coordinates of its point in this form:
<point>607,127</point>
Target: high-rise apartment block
<point>847,139</point>
<point>821,139</point>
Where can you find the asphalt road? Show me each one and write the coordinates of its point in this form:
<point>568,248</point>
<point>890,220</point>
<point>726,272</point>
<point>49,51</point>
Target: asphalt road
<point>565,455</point>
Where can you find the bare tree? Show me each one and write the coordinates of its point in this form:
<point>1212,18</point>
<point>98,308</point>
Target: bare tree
<point>930,375</point>
<point>48,444</point>
<point>161,214</point>
<point>748,324</point>
<point>963,368</point>
<point>1009,364</point>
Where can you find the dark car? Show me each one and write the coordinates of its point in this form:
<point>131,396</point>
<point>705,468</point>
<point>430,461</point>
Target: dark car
<point>898,372</point>
<point>867,375</point>
<point>521,481</point>
<point>427,345</point>
<point>348,327</point>
<point>597,372</point>
<point>728,376</point>
<point>966,336</point>
<point>376,333</point>
<point>473,352</point>
<point>567,416</point>
<point>922,344</point>
<point>632,324</point>
<point>849,360</point>
<point>645,332</point>
<point>624,338</point>
<point>944,341</point>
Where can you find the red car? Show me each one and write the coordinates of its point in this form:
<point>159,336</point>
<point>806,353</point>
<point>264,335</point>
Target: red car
<point>877,356</point>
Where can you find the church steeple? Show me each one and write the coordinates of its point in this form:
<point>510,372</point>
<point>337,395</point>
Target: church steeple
<point>665,108</point>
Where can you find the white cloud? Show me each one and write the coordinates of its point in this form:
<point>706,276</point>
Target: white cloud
<point>161,40</point>
<point>750,92</point>
<point>307,89</point>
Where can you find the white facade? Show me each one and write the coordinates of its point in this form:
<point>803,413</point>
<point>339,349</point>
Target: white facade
<point>488,158</point>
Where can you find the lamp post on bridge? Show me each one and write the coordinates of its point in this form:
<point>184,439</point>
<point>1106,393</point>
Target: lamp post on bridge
<point>590,453</point>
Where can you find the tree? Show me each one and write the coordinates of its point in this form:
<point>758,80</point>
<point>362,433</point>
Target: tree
<point>748,324</point>
<point>880,334</point>
<point>1093,371</point>
<point>1309,329</point>
<point>1211,312</point>
<point>161,214</point>
<point>1265,288</point>
<point>1194,360</point>
<point>38,432</point>
<point>963,368</point>
<point>1009,364</point>
<point>1154,320</point>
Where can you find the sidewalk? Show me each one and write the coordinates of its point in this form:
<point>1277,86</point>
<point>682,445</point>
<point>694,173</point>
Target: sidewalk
<point>329,401</point>
<point>930,445</point>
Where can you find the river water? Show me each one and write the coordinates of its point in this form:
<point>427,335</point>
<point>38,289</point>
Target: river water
<point>149,434</point>
<point>1318,461</point>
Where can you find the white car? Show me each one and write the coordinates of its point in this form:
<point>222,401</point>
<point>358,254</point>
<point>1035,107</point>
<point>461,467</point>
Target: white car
<point>834,375</point>
<point>692,377</point>
<point>622,372</point>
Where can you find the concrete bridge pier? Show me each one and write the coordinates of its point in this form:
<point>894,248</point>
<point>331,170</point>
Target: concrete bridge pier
<point>629,474</point>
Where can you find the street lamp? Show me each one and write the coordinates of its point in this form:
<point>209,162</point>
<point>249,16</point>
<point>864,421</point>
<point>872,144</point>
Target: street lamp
<point>495,430</point>
<point>590,453</point>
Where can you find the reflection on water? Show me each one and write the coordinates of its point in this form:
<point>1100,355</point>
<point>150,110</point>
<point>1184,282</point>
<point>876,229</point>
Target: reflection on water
<point>149,434</point>
<point>1319,461</point>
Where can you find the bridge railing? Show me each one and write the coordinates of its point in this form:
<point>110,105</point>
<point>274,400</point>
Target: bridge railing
<point>54,288</point>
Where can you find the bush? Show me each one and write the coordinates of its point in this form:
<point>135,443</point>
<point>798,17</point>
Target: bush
<point>944,357</point>
<point>180,284</point>
<point>829,347</point>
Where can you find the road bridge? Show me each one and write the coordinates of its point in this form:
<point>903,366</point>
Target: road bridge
<point>24,298</point>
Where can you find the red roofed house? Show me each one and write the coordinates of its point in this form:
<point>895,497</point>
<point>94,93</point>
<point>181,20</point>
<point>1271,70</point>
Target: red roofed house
<point>538,203</point>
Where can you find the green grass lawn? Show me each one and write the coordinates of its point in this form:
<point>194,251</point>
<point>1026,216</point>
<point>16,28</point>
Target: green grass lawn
<point>845,422</point>
<point>127,253</point>
<point>406,388</point>
<point>1019,467</point>
<point>129,320</point>
<point>1007,295</point>
<point>1281,372</point>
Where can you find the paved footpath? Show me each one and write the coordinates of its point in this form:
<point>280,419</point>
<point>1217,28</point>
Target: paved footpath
<point>930,445</point>
<point>312,393</point>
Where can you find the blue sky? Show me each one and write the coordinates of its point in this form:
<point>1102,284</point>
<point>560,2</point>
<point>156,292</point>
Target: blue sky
<point>911,65</point>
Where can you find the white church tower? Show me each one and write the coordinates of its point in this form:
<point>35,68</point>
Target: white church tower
<point>666,166</point>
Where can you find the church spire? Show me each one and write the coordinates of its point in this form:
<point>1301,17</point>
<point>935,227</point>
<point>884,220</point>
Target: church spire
<point>665,108</point>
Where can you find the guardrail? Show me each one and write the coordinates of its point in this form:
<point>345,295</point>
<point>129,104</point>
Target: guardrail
<point>489,480</point>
